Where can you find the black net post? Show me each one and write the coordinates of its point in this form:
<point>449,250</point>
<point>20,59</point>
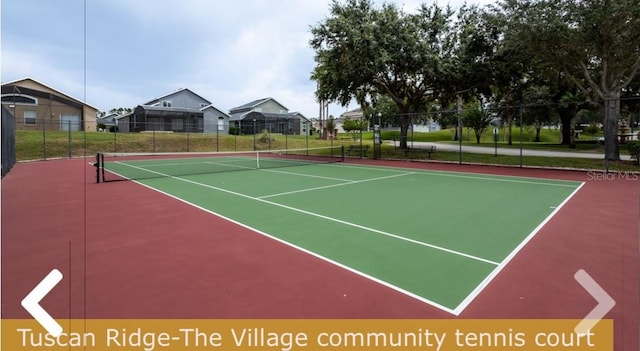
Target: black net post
<point>97,166</point>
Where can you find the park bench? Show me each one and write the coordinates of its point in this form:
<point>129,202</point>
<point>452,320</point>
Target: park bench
<point>427,150</point>
<point>358,150</point>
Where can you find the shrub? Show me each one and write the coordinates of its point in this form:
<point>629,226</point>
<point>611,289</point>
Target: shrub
<point>234,130</point>
<point>591,129</point>
<point>634,149</point>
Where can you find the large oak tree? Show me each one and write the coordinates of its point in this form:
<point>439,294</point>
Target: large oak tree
<point>363,52</point>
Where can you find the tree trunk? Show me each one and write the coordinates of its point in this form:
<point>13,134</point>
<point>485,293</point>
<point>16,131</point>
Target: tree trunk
<point>568,126</point>
<point>405,121</point>
<point>572,131</point>
<point>538,128</point>
<point>611,113</point>
<point>565,131</point>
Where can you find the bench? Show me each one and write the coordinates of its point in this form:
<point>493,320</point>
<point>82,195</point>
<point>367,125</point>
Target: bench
<point>428,150</point>
<point>359,150</point>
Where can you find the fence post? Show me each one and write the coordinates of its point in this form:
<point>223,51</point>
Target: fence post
<point>69,138</point>
<point>521,108</point>
<point>44,140</point>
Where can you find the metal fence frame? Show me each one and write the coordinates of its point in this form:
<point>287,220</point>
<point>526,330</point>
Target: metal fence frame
<point>8,141</point>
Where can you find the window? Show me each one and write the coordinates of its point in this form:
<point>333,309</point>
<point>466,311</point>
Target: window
<point>166,103</point>
<point>19,99</point>
<point>30,118</point>
<point>202,104</point>
<point>220,123</point>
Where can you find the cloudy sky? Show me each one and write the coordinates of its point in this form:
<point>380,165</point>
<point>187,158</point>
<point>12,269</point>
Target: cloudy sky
<point>230,52</point>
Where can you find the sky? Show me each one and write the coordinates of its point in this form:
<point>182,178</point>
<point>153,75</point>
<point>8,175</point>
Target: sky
<point>126,52</point>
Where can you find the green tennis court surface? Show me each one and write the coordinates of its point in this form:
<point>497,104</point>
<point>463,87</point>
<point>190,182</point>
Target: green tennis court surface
<point>436,236</point>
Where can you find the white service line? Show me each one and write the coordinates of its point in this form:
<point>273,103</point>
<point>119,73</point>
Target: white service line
<point>306,175</point>
<point>348,182</point>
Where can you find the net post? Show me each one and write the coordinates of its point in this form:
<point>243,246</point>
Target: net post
<point>97,166</point>
<point>342,153</point>
<point>257,159</point>
<point>102,166</point>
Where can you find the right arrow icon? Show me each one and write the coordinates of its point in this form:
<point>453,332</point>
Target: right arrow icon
<point>605,302</point>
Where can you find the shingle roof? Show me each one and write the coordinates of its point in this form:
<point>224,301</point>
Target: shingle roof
<point>267,115</point>
<point>49,87</point>
<point>158,99</point>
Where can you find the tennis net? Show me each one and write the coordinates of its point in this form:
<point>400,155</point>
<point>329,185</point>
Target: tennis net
<point>134,166</point>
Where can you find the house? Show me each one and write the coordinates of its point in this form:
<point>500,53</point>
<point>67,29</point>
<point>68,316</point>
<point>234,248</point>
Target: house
<point>179,111</point>
<point>353,114</point>
<point>37,106</point>
<point>108,121</point>
<point>423,125</point>
<point>268,114</point>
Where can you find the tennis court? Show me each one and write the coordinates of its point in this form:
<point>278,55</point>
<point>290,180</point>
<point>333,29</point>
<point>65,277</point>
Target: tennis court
<point>439,237</point>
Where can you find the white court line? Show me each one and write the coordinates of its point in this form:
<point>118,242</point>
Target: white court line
<point>511,255</point>
<point>334,185</point>
<point>457,311</point>
<point>306,175</point>
<point>314,254</point>
<point>497,178</point>
<point>436,247</point>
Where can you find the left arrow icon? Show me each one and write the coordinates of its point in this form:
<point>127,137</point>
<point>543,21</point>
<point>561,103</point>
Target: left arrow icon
<point>31,303</point>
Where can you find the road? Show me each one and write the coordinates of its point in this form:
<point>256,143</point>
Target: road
<point>511,151</point>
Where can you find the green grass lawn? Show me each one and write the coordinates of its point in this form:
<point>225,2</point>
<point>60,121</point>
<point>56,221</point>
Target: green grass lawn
<point>33,145</point>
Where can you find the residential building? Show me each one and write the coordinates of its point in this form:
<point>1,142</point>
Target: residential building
<point>268,114</point>
<point>37,106</point>
<point>179,111</point>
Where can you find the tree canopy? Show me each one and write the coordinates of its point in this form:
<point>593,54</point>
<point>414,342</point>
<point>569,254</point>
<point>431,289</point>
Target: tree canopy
<point>510,54</point>
<point>363,52</point>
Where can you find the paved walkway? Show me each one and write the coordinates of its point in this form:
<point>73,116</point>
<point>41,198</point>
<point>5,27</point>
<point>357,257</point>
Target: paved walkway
<point>511,151</point>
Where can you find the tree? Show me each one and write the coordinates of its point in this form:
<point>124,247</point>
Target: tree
<point>354,126</point>
<point>363,52</point>
<point>511,63</point>
<point>537,111</point>
<point>121,110</point>
<point>594,42</point>
<point>570,104</point>
<point>475,118</point>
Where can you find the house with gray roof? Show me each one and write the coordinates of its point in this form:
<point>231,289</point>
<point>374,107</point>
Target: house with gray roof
<point>268,114</point>
<point>178,111</point>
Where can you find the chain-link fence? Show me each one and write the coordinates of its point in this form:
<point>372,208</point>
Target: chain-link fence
<point>50,141</point>
<point>535,135</point>
<point>545,135</point>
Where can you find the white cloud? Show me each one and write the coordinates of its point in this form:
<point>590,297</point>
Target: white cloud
<point>230,52</point>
